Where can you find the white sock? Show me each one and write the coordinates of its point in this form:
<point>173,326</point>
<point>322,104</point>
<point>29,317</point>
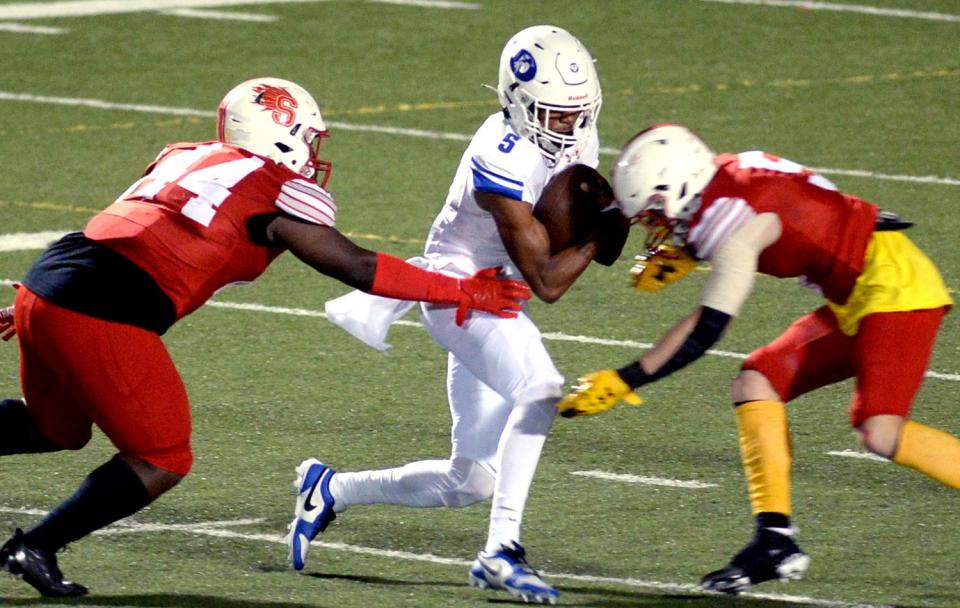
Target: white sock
<point>427,483</point>
<point>518,455</point>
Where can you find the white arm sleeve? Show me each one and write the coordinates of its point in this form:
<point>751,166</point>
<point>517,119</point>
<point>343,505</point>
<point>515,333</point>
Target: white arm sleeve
<point>735,263</point>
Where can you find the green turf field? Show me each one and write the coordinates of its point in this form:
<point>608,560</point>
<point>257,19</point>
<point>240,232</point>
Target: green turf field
<point>867,96</point>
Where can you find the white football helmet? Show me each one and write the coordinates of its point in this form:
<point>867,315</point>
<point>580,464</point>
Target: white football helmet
<point>277,119</point>
<point>658,179</point>
<point>544,71</point>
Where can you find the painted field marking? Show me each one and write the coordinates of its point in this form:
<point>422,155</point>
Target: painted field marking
<point>431,4</point>
<point>220,15</point>
<point>127,525</point>
<point>19,28</point>
<point>219,529</point>
<point>858,455</point>
<point>878,11</point>
<point>560,337</point>
<point>93,8</point>
<point>644,480</point>
<point>24,241</point>
<point>153,109</point>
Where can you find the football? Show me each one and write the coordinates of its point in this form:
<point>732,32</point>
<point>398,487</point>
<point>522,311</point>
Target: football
<point>570,205</point>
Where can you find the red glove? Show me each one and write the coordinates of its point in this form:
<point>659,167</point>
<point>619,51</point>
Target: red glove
<point>484,291</point>
<point>7,328</point>
<point>397,279</point>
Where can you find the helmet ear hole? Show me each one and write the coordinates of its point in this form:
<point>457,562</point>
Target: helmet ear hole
<point>283,147</point>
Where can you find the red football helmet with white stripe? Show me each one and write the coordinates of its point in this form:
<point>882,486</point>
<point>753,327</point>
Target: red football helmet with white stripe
<point>659,177</point>
<point>277,119</point>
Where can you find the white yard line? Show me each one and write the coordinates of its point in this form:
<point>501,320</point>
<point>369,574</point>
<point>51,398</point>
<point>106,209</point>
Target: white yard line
<point>25,241</point>
<point>431,4</point>
<point>92,8</point>
<point>101,104</point>
<point>219,15</point>
<point>19,28</point>
<point>128,525</point>
<point>644,480</point>
<point>859,455</point>
<point>219,529</point>
<point>877,11</point>
<point>560,337</point>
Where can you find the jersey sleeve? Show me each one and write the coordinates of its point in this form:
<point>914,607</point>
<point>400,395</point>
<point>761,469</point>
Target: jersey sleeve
<point>735,264</point>
<point>307,201</point>
<point>503,163</point>
<point>721,218</point>
<point>495,178</point>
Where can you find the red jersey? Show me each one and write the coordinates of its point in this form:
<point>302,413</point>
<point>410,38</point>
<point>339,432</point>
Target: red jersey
<point>824,232</point>
<point>185,222</point>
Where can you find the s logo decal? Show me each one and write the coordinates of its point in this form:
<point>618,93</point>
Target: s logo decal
<point>279,101</point>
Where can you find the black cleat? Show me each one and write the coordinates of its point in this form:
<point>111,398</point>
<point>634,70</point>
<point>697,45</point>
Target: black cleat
<point>770,555</point>
<point>37,567</point>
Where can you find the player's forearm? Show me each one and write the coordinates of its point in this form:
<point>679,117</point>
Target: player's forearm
<point>397,279</point>
<point>670,343</point>
<point>686,342</point>
<point>557,273</point>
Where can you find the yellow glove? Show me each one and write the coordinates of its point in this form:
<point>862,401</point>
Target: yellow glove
<point>656,269</point>
<point>596,393</point>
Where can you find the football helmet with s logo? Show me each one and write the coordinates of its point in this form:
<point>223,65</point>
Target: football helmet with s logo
<point>658,179</point>
<point>279,120</point>
<point>545,72</point>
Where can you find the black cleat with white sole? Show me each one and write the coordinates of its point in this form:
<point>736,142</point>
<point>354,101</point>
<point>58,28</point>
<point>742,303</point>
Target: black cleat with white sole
<point>37,567</point>
<point>770,555</point>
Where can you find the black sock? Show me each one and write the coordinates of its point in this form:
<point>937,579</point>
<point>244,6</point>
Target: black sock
<point>772,520</point>
<point>19,433</point>
<point>110,493</point>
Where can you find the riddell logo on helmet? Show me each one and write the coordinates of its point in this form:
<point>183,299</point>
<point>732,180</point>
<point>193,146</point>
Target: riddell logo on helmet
<point>279,101</point>
<point>576,97</point>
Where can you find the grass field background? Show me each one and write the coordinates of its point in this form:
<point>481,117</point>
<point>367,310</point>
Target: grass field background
<point>869,97</point>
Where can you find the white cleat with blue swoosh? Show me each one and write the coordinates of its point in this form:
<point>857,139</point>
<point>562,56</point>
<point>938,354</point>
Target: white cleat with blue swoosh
<point>313,511</point>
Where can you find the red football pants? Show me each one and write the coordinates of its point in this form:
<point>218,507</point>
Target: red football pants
<point>888,356</point>
<point>77,371</point>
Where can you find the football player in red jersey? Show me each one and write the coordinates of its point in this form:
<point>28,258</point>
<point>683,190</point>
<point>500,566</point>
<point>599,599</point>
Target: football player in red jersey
<point>885,300</point>
<point>91,309</point>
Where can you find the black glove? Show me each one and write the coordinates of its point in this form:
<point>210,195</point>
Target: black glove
<point>612,231</point>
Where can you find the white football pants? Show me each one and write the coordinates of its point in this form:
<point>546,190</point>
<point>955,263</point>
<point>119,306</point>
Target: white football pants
<point>502,386</point>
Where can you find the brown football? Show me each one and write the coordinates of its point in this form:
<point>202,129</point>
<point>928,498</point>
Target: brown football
<point>569,207</point>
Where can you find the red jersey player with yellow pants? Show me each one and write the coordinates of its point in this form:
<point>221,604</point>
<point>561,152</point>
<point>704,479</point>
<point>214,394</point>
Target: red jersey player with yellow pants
<point>91,309</point>
<point>885,300</point>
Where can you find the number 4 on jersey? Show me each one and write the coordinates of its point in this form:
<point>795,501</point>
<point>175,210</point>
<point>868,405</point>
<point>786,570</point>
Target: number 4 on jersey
<point>210,184</point>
